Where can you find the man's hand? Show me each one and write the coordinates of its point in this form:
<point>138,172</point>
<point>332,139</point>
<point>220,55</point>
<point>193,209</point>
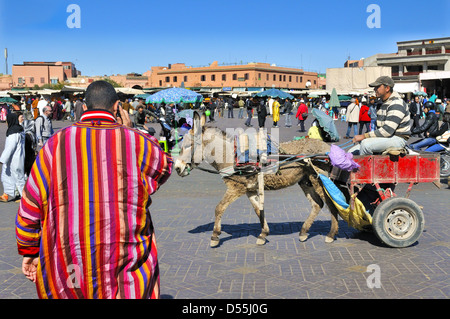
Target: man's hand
<point>125,117</point>
<point>29,267</point>
<point>358,138</point>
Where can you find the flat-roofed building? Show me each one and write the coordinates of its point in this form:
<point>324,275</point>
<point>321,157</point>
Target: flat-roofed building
<point>30,74</point>
<point>413,58</point>
<point>244,76</point>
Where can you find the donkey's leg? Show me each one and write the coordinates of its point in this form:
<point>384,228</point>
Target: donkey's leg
<point>316,206</point>
<point>229,197</point>
<point>334,221</point>
<point>318,188</point>
<point>254,199</point>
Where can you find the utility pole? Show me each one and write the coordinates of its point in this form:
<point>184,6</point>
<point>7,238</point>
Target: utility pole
<point>6,60</point>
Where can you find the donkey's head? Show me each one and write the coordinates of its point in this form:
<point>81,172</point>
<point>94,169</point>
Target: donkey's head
<point>191,154</point>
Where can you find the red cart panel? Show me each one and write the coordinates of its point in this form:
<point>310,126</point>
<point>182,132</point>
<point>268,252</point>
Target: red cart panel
<point>422,168</point>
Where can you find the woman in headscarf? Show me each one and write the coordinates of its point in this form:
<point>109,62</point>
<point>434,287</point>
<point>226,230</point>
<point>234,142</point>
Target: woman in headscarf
<point>13,160</point>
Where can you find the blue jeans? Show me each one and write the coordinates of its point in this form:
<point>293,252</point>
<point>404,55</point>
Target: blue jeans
<point>241,113</point>
<point>373,124</point>
<point>423,143</point>
<point>435,148</point>
<point>288,119</point>
<point>355,126</point>
<point>249,117</point>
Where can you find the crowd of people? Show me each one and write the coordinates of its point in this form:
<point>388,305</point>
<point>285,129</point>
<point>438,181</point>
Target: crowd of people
<point>259,107</point>
<point>360,115</point>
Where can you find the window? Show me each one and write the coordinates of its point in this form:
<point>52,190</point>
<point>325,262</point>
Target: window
<point>54,81</point>
<point>20,80</point>
<point>234,77</point>
<point>175,79</point>
<point>160,82</point>
<point>31,80</point>
<point>224,77</point>
<point>259,76</point>
<point>290,78</point>
<point>301,79</point>
<point>202,78</point>
<point>267,77</point>
<point>167,79</point>
<point>284,78</point>
<point>42,80</point>
<point>296,79</point>
<point>185,78</point>
<point>246,76</point>
<point>213,77</point>
<point>281,77</point>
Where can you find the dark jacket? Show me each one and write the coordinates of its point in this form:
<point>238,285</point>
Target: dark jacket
<point>249,104</point>
<point>413,109</point>
<point>288,107</point>
<point>431,125</point>
<point>261,109</point>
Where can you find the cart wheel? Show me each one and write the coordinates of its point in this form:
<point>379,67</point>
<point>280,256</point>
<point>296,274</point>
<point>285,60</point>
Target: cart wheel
<point>398,222</point>
<point>445,165</point>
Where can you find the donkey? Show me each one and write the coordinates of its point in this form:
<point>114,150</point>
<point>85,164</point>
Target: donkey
<point>195,148</point>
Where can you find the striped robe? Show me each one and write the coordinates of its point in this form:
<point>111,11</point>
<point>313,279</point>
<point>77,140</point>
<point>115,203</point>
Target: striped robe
<point>85,211</point>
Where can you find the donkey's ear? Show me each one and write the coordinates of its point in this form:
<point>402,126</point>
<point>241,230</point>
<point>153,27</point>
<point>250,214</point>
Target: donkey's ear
<point>196,123</point>
<point>203,120</point>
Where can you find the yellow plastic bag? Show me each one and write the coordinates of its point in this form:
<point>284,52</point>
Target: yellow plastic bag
<point>314,132</point>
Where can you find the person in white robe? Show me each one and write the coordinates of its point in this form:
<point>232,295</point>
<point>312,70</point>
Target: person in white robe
<point>13,160</point>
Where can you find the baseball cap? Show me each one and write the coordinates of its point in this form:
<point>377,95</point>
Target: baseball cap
<point>385,80</point>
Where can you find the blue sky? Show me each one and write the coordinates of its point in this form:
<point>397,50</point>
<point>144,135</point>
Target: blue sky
<point>118,37</point>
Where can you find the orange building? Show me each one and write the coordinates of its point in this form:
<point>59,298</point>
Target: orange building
<point>251,75</point>
<point>30,74</point>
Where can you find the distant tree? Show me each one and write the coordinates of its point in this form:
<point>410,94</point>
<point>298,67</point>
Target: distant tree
<point>112,82</point>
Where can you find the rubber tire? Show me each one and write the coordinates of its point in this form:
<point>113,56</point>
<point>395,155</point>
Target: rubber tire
<point>445,160</point>
<point>400,206</point>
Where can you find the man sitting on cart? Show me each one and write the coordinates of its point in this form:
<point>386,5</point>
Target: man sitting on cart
<point>393,122</point>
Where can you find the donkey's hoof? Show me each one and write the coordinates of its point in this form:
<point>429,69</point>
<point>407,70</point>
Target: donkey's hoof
<point>260,241</point>
<point>329,239</point>
<point>214,242</point>
<point>303,237</point>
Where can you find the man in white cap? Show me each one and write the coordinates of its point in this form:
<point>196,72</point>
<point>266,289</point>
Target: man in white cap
<point>393,121</point>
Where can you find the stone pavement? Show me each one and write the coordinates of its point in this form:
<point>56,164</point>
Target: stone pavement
<point>183,216</point>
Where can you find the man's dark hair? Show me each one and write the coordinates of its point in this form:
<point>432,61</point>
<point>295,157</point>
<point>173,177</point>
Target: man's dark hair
<point>100,95</point>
